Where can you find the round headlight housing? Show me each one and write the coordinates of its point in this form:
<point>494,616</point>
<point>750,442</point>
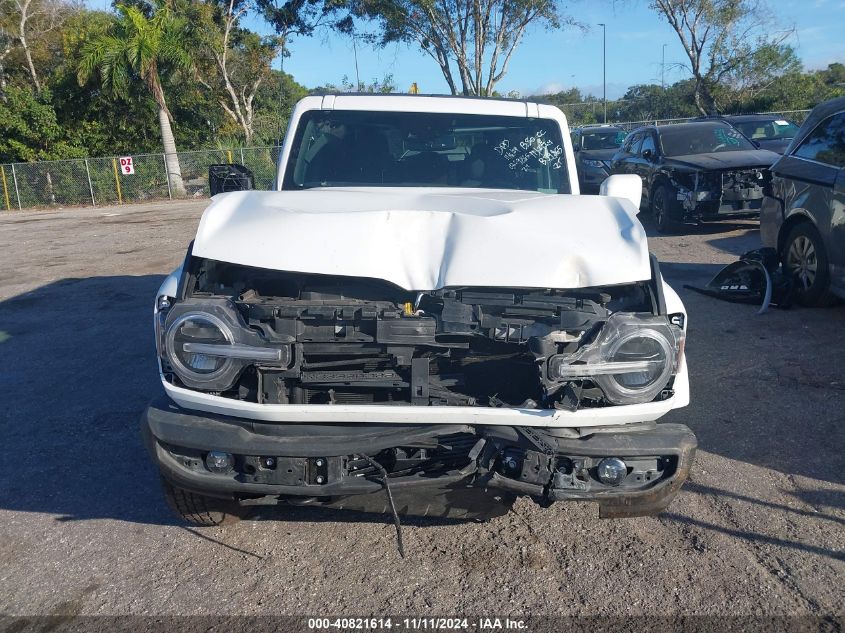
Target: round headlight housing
<point>198,330</point>
<point>631,360</point>
<point>651,358</point>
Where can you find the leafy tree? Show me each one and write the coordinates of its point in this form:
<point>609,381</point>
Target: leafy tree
<point>29,129</point>
<point>238,60</point>
<point>385,85</point>
<point>474,39</point>
<point>793,91</point>
<point>142,45</point>
<point>834,74</point>
<point>273,105</point>
<point>23,25</point>
<point>727,43</point>
<point>305,17</point>
<point>28,29</point>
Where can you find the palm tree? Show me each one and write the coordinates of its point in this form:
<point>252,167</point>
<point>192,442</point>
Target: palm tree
<point>138,44</point>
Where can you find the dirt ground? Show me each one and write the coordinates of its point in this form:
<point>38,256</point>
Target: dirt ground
<point>758,530</point>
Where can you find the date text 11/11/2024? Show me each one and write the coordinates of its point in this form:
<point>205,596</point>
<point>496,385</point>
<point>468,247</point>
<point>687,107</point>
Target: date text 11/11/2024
<point>417,624</point>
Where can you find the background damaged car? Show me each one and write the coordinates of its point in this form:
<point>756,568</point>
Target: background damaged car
<point>426,313</point>
<point>693,172</point>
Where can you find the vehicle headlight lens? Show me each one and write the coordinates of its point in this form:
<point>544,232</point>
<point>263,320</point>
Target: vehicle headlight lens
<point>207,346</point>
<point>593,163</point>
<point>631,360</point>
<point>187,346</point>
<point>649,357</point>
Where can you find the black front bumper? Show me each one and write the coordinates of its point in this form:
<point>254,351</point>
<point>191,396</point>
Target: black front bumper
<point>485,468</point>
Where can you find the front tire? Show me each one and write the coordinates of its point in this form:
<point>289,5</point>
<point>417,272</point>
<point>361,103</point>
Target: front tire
<point>200,510</point>
<point>661,205</point>
<point>805,258</point>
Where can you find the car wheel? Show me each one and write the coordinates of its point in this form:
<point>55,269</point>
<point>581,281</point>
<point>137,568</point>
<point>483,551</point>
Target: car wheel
<point>805,258</point>
<point>201,510</point>
<point>661,203</point>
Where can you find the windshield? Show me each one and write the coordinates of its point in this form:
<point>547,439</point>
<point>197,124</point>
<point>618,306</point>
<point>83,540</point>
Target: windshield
<point>417,149</point>
<point>774,130</point>
<point>604,139</point>
<point>704,138</point>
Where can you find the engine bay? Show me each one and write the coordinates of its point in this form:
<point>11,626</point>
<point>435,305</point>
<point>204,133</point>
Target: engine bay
<point>354,340</point>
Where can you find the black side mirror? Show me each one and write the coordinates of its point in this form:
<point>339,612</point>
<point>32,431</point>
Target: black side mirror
<point>223,178</point>
<point>648,154</point>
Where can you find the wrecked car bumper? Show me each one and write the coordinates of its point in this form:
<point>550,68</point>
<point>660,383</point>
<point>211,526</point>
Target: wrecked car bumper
<point>719,196</point>
<point>447,470</point>
<point>590,179</point>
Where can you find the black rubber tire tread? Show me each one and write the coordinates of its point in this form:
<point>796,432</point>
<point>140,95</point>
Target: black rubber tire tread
<point>666,224</point>
<point>818,295</point>
<point>200,510</point>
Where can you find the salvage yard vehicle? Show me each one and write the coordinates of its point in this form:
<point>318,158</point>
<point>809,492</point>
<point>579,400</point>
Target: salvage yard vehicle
<point>803,215</point>
<point>694,172</point>
<point>766,131</point>
<point>423,317</point>
<point>594,147</point>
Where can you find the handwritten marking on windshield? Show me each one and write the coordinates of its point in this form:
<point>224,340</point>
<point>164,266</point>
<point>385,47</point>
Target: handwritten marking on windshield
<point>533,146</point>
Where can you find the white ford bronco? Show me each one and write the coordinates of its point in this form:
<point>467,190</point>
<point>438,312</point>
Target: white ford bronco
<point>422,317</point>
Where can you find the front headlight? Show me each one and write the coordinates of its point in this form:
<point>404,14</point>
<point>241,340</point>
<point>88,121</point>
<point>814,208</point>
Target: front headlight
<point>207,346</point>
<point>192,345</point>
<point>631,360</point>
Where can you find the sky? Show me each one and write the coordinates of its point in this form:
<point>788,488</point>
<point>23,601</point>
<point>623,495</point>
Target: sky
<point>549,61</point>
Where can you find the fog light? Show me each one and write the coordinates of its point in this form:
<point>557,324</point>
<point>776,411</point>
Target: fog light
<point>612,471</point>
<point>219,462</point>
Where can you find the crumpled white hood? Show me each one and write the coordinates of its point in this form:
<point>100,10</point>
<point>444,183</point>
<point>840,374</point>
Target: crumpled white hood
<point>421,239</point>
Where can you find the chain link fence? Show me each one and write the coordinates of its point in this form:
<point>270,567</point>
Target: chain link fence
<point>100,181</point>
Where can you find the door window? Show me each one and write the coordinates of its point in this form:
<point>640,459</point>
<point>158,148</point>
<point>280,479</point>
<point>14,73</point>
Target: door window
<point>632,143</point>
<point>648,143</point>
<point>826,144</point>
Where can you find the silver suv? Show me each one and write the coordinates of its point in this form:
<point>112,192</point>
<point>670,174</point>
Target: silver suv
<point>803,215</point>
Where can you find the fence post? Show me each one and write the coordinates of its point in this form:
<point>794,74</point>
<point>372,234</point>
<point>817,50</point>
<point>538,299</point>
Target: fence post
<point>17,192</point>
<point>117,181</point>
<point>90,186</point>
<point>229,154</point>
<point>167,176</point>
<point>5,188</point>
<point>243,162</point>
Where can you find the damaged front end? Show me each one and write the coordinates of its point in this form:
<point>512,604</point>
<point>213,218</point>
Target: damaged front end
<point>275,355</point>
<point>448,471</point>
<point>283,338</point>
<point>720,194</point>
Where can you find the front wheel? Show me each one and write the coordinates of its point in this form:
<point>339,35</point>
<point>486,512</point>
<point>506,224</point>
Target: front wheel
<point>201,510</point>
<point>661,203</point>
<point>804,256</point>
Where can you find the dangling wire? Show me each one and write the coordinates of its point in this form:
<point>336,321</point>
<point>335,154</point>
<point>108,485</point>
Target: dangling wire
<point>386,485</point>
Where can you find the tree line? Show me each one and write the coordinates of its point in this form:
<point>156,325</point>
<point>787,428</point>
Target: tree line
<point>153,75</point>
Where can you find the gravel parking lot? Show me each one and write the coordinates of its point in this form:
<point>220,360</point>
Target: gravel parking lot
<point>758,530</point>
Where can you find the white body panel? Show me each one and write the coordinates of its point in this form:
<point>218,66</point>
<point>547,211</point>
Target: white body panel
<point>325,413</point>
<point>424,239</point>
